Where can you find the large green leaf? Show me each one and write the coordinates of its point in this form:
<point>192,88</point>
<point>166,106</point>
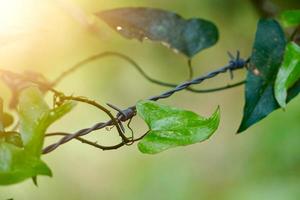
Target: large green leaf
<point>17,164</point>
<point>288,74</point>
<point>171,127</point>
<point>186,36</point>
<point>21,160</point>
<point>265,61</point>
<point>290,18</point>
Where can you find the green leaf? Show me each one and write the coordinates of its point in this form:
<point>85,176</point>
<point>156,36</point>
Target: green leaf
<point>290,18</point>
<point>265,61</point>
<point>186,36</point>
<point>36,117</point>
<point>16,165</point>
<point>20,162</point>
<point>293,91</point>
<point>171,127</point>
<point>289,73</point>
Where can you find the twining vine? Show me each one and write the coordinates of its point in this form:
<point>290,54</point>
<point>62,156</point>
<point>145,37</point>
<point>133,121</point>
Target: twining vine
<point>273,79</point>
<point>130,112</point>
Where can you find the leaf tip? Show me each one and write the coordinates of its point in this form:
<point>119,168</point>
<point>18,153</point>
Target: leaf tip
<point>216,115</point>
<point>242,127</point>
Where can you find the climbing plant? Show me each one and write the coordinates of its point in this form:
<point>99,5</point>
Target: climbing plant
<point>273,80</point>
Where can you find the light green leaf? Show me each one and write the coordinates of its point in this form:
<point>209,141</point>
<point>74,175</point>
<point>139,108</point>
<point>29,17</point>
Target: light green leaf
<point>17,162</point>
<point>289,73</point>
<point>16,165</point>
<point>171,127</point>
<point>290,18</point>
<point>36,117</point>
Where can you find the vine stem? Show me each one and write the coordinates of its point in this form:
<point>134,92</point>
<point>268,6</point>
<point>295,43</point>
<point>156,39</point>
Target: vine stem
<point>294,33</point>
<point>140,70</point>
<point>238,64</point>
<point>100,107</point>
<point>84,141</point>
<point>191,70</point>
<point>130,112</point>
<point>108,54</point>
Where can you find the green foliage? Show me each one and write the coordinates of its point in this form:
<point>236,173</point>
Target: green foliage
<point>265,61</point>
<point>20,152</point>
<point>186,36</point>
<point>273,79</point>
<point>171,127</point>
<point>290,18</point>
<point>288,74</point>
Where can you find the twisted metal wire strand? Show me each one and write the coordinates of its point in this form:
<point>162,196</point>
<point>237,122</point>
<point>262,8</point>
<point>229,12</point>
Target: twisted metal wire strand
<point>140,71</point>
<point>127,114</point>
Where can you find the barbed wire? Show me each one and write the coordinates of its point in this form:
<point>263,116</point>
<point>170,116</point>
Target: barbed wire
<point>235,63</point>
<point>17,82</point>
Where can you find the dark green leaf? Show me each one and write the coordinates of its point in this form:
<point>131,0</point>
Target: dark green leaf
<point>171,127</point>
<point>20,162</point>
<point>290,18</point>
<point>265,61</point>
<point>293,91</point>
<point>288,74</point>
<point>186,36</point>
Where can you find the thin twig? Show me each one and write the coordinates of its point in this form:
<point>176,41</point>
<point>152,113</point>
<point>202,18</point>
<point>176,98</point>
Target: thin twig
<point>84,141</point>
<point>191,70</point>
<point>294,34</point>
<point>97,105</point>
<point>103,55</point>
<point>229,86</point>
<point>233,65</point>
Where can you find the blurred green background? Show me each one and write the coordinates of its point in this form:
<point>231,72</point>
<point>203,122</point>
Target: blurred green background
<point>262,163</point>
